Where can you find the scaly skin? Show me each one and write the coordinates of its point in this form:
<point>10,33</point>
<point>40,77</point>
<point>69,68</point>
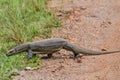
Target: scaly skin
<point>50,46</point>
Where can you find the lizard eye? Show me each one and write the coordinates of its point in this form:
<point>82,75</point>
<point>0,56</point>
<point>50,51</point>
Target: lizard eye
<point>10,51</point>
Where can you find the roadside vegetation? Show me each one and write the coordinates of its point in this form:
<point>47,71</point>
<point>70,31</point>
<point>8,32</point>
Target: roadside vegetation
<point>21,21</point>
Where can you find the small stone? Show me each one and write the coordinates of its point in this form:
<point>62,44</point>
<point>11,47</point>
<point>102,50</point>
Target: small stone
<point>28,68</point>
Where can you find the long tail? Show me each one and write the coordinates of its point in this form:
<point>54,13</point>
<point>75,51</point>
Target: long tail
<point>82,50</point>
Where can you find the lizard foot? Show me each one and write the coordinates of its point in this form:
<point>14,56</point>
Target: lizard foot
<point>28,57</point>
<point>45,57</point>
<point>76,56</point>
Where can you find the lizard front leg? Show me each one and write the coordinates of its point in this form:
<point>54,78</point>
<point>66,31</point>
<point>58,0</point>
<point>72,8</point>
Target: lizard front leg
<point>29,54</point>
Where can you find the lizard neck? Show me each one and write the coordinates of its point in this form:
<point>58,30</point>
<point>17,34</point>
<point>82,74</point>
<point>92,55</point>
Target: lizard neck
<point>22,47</point>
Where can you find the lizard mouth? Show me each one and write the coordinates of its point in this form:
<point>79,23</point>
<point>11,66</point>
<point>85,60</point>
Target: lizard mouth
<point>8,54</point>
<point>11,52</point>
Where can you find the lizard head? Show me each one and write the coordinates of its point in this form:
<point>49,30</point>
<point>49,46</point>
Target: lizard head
<point>17,49</point>
<point>11,52</point>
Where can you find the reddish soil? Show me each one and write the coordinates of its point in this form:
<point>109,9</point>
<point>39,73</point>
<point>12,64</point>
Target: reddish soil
<point>92,24</point>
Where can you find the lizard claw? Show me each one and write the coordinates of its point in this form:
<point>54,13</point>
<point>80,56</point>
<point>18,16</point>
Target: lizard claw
<point>76,56</point>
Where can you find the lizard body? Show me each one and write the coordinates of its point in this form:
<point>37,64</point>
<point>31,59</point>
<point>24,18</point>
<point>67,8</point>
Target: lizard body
<point>49,46</point>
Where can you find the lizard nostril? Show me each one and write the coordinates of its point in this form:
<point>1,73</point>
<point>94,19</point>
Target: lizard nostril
<point>7,54</point>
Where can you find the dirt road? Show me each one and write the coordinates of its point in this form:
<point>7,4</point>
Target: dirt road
<point>92,24</point>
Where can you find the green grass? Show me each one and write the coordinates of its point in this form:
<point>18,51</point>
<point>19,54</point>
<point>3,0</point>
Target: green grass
<point>21,21</point>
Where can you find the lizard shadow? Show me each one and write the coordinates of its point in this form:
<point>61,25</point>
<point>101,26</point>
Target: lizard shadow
<point>60,56</point>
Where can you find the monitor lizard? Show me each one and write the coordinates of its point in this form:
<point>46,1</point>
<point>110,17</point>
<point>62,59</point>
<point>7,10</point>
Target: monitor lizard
<point>52,45</point>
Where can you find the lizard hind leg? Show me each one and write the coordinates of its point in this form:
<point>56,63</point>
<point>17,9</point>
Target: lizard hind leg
<point>76,55</point>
